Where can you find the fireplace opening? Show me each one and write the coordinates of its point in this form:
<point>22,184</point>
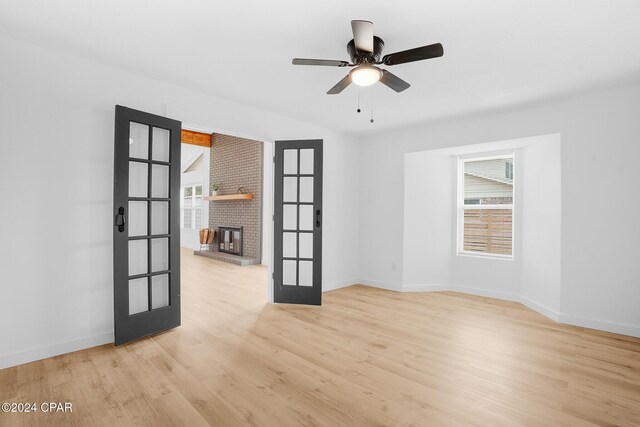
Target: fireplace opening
<point>230,240</point>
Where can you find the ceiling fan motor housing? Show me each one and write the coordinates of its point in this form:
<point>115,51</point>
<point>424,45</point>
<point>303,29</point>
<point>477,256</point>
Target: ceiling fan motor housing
<point>362,57</point>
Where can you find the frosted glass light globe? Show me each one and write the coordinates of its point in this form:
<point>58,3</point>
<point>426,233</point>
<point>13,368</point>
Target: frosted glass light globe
<point>365,75</point>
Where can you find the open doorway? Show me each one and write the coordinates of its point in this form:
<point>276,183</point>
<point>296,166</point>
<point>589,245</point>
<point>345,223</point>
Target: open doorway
<point>225,209</point>
<point>194,183</point>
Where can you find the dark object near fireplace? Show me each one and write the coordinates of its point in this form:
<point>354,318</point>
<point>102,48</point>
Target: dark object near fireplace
<point>230,240</point>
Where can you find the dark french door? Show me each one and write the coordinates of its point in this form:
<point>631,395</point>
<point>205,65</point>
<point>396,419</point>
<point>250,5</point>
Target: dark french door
<point>146,236</point>
<point>297,270</point>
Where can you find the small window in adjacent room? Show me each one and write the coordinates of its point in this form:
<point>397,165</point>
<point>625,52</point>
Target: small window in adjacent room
<point>485,206</point>
<point>191,207</point>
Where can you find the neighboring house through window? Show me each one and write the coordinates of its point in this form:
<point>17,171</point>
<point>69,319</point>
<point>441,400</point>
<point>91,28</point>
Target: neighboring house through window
<point>485,206</point>
<point>191,207</point>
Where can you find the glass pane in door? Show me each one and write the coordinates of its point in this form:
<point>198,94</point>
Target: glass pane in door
<point>289,245</point>
<point>159,291</point>
<point>161,144</point>
<point>290,189</point>
<point>289,272</point>
<point>138,219</point>
<point>306,189</point>
<point>138,179</point>
<point>159,218</point>
<point>305,245</point>
<point>306,217</point>
<point>306,161</point>
<point>289,217</point>
<point>160,181</point>
<point>290,162</point>
<point>305,273</point>
<point>138,295</point>
<point>138,140</point>
<point>159,254</point>
<point>138,263</point>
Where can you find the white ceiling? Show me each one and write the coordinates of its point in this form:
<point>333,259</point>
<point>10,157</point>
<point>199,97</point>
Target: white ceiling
<point>498,53</point>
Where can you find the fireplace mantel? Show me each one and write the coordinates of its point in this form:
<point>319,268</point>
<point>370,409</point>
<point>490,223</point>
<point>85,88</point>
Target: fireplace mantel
<point>229,197</point>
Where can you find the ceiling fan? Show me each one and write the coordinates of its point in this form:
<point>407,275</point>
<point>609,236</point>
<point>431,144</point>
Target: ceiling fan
<point>365,51</point>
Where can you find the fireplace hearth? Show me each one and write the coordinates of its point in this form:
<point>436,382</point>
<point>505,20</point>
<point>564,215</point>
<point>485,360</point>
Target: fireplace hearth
<point>230,240</point>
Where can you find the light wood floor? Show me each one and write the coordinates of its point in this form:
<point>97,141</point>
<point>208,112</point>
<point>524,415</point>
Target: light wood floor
<point>366,357</point>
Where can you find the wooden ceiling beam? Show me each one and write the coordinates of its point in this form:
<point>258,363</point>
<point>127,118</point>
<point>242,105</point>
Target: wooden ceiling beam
<point>196,138</point>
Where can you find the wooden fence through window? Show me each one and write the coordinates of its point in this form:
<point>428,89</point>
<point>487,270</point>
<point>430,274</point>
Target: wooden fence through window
<point>488,231</point>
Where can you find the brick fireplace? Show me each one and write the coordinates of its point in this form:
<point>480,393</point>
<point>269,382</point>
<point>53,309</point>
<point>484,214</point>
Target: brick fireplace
<point>237,162</point>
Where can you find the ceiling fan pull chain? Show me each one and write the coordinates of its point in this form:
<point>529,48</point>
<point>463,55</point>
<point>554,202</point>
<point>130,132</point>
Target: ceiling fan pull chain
<point>371,106</point>
<point>358,110</point>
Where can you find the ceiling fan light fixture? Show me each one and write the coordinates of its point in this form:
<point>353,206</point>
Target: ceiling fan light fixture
<point>365,75</point>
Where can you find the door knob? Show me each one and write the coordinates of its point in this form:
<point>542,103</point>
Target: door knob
<point>318,218</point>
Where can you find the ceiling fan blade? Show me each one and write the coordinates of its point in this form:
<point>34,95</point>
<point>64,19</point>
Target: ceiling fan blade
<point>324,62</point>
<point>342,85</point>
<point>412,55</point>
<point>393,81</point>
<point>363,35</point>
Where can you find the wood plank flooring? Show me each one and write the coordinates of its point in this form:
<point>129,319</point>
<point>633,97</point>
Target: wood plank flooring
<point>367,357</point>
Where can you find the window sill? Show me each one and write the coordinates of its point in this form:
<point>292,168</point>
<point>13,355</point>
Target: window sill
<point>485,255</point>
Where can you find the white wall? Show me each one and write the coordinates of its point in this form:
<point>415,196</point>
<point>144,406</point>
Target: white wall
<point>600,145</point>
<point>56,255</point>
<point>429,203</point>
<point>540,175</point>
<point>191,238</point>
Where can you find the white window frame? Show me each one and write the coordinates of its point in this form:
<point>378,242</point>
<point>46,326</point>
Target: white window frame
<point>461,206</point>
<point>193,205</point>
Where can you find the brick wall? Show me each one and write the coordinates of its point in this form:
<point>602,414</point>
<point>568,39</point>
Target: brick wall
<point>237,162</point>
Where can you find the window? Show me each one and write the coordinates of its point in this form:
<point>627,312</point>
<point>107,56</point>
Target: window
<point>485,206</point>
<point>191,207</point>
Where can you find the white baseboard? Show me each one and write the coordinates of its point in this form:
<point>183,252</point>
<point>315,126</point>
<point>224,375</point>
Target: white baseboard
<point>486,293</point>
<point>39,353</point>
<point>380,285</point>
<point>425,288</point>
<point>462,289</point>
<point>326,287</point>
<point>542,309</point>
<point>616,328</point>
